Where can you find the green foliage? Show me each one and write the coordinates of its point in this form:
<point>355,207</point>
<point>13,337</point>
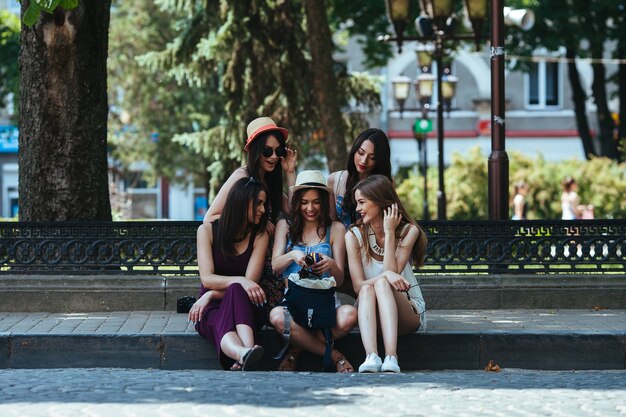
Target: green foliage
<point>252,59</point>
<point>35,7</point>
<point>586,29</point>
<point>9,53</point>
<point>466,186</point>
<point>366,20</point>
<point>152,106</point>
<point>601,182</point>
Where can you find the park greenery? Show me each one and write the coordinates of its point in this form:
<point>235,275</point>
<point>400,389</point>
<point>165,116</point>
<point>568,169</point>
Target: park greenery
<point>197,73</point>
<point>601,182</point>
<point>186,76</point>
<point>579,31</point>
<point>9,52</point>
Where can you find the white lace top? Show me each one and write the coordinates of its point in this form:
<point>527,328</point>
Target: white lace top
<point>375,267</point>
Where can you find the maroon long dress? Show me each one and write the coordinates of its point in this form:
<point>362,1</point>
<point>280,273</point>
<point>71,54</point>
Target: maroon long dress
<point>221,316</point>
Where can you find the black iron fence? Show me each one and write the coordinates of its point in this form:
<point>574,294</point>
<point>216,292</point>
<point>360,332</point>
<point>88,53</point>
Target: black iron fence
<point>455,247</point>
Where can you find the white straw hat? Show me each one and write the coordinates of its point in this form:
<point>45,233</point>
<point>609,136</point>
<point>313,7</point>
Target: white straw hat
<point>310,179</point>
<point>260,125</point>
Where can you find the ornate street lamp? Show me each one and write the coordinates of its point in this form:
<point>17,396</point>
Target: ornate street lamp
<point>476,11</point>
<point>401,85</point>
<point>438,10</point>
<point>398,12</point>
<point>424,87</point>
<point>448,88</point>
<point>437,27</point>
<point>424,54</point>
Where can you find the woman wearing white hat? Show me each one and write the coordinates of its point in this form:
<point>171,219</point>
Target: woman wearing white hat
<point>311,231</point>
<point>268,157</point>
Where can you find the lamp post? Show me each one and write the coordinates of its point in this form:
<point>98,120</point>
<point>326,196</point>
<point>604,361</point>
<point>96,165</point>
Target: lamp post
<point>424,92</point>
<point>436,27</point>
<point>400,86</point>
<point>498,163</point>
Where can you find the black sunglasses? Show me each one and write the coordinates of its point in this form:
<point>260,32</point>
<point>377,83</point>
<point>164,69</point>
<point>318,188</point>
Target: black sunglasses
<point>281,151</point>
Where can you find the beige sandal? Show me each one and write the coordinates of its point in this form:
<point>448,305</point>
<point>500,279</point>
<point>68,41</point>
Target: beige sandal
<point>343,366</point>
<point>290,362</point>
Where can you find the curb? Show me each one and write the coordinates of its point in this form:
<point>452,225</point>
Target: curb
<point>417,351</point>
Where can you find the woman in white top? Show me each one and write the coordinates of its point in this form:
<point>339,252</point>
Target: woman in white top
<point>381,247</point>
<point>519,201</point>
<point>570,202</point>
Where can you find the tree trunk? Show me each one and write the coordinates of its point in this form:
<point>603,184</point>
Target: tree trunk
<point>63,100</point>
<point>325,84</point>
<point>608,146</point>
<point>621,85</point>
<point>579,98</point>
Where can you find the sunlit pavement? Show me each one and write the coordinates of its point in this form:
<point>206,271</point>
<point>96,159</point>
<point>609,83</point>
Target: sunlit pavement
<point>126,392</point>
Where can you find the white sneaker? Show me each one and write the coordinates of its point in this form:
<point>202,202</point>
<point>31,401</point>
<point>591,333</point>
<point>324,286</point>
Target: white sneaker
<point>372,364</point>
<point>390,365</point>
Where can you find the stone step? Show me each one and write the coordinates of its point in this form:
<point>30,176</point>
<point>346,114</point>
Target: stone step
<point>88,293</point>
<point>454,339</point>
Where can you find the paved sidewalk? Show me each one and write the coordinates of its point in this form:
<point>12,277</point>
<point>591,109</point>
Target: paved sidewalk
<point>126,392</point>
<point>454,339</point>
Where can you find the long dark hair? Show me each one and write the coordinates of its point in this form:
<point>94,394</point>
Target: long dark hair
<point>379,190</point>
<point>297,223</point>
<point>567,184</point>
<point>273,180</point>
<point>234,225</point>
<point>382,153</point>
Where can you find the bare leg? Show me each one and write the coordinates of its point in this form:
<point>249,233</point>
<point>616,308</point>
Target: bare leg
<point>232,346</point>
<point>300,336</point>
<point>346,320</point>
<point>367,318</point>
<point>388,312</point>
<point>246,335</point>
<point>408,319</point>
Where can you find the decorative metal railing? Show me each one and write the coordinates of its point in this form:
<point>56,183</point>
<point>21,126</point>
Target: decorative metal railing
<point>455,247</point>
<point>535,246</point>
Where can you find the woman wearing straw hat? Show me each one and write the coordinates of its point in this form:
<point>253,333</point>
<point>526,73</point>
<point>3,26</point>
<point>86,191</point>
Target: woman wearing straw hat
<point>311,231</point>
<point>268,157</point>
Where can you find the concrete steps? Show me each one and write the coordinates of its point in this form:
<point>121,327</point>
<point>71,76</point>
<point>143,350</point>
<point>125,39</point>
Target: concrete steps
<point>454,339</point>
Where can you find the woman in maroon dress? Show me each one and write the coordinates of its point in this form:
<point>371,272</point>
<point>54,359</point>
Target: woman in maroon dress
<point>231,253</point>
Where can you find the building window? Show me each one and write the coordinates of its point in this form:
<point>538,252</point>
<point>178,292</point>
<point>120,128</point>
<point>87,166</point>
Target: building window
<point>544,85</point>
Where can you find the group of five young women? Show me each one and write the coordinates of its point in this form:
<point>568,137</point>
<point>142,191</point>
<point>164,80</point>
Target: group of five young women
<point>372,234</point>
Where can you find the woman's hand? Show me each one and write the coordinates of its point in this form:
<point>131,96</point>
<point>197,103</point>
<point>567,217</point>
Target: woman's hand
<point>391,220</point>
<point>397,281</point>
<point>298,257</point>
<point>254,291</point>
<point>196,310</point>
<point>288,163</point>
<point>323,265</point>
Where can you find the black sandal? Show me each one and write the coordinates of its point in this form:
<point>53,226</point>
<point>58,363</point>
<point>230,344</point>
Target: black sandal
<point>252,358</point>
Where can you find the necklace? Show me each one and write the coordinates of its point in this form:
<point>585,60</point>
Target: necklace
<point>371,238</point>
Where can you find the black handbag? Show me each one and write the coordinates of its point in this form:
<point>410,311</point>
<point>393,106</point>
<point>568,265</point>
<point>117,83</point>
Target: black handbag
<point>312,308</point>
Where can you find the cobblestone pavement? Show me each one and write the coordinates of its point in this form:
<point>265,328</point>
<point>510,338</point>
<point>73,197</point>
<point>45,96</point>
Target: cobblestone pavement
<point>123,392</point>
